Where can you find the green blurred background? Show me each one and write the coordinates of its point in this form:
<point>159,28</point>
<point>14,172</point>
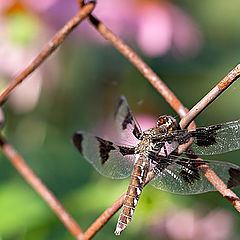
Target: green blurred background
<point>76,89</point>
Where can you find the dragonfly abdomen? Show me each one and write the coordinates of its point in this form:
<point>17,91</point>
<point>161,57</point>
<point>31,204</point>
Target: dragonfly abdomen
<point>134,191</point>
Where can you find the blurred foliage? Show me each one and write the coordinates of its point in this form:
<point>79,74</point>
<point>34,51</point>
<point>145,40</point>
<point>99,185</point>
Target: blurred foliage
<point>89,80</point>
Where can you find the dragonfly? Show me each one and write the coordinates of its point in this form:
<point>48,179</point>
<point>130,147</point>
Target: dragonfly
<point>156,151</point>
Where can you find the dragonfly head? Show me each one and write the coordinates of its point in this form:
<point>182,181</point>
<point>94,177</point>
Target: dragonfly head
<point>167,122</point>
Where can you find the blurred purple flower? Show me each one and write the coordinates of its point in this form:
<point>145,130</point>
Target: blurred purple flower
<point>188,225</point>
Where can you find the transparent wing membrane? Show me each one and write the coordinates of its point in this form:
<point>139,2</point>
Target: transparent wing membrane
<point>108,159</point>
<point>186,176</point>
<point>126,125</point>
<point>225,138</point>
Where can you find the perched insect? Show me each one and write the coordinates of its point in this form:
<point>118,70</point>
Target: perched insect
<point>156,150</point>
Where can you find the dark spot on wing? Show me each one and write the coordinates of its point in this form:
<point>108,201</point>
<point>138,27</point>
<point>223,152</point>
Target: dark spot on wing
<point>206,136</point>
<point>182,138</point>
<point>190,169</point>
<point>136,132</point>
<point>234,179</point>
<point>105,147</point>
<point>190,175</point>
<point>126,151</point>
<point>77,141</point>
<point>128,119</point>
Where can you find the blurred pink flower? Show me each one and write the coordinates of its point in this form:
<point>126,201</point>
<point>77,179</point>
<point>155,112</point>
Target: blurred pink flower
<point>22,35</point>
<point>39,6</point>
<point>156,26</point>
<point>188,225</point>
<point>163,27</point>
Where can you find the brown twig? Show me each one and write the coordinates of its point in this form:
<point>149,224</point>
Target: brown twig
<point>108,213</point>
<point>211,96</point>
<point>48,49</point>
<point>220,186</point>
<point>103,218</point>
<point>19,163</point>
<point>206,100</point>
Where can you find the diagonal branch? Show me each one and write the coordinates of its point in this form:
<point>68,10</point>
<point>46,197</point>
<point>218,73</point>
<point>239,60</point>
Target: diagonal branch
<point>28,174</point>
<point>211,96</point>
<point>49,48</point>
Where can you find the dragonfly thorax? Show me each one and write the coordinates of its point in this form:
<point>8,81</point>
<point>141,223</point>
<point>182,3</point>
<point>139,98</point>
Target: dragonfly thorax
<point>151,139</point>
<point>167,123</point>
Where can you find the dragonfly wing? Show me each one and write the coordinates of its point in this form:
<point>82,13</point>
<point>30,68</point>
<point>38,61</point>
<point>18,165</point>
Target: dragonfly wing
<point>216,139</point>
<point>126,125</point>
<point>186,176</point>
<point>109,159</point>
